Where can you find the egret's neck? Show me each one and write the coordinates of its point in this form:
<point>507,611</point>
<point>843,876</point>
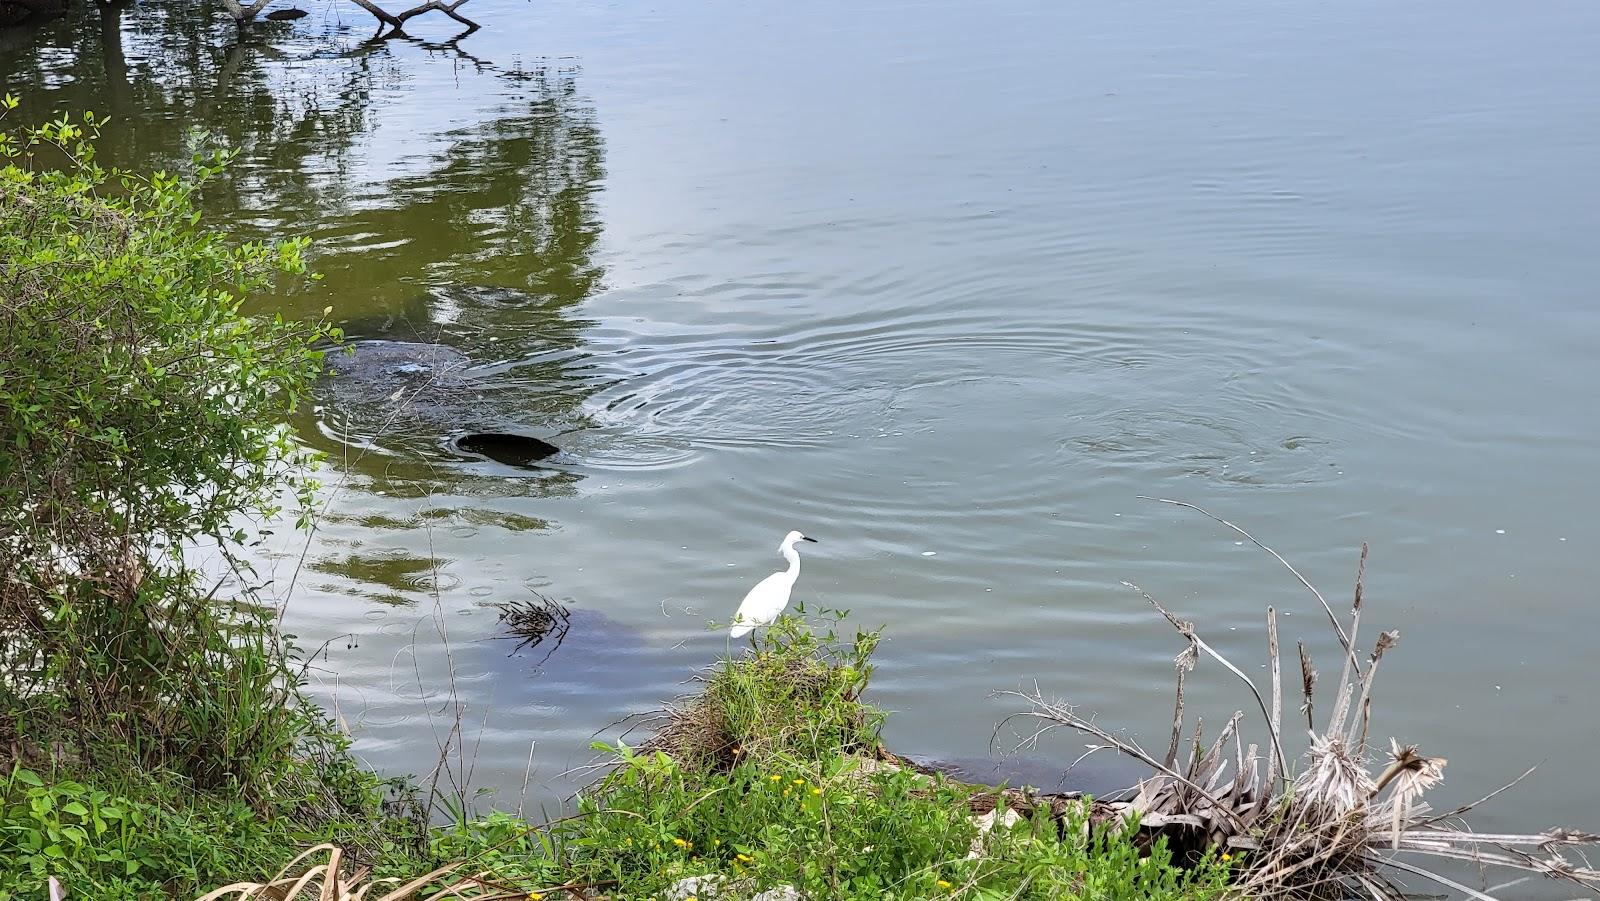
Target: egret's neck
<point>793,556</point>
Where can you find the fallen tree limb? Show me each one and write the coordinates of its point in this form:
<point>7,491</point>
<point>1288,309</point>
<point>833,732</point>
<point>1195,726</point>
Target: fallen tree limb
<point>243,14</point>
<point>397,21</point>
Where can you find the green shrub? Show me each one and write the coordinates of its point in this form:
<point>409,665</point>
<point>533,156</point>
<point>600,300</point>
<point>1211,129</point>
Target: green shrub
<point>153,736</point>
<point>805,802</point>
<point>842,828</point>
<point>141,415</point>
<point>152,835</point>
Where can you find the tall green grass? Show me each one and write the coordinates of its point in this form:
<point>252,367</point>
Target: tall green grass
<point>770,778</point>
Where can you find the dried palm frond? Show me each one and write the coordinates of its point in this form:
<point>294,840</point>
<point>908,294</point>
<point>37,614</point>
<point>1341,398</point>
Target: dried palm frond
<point>325,881</point>
<point>1332,831</point>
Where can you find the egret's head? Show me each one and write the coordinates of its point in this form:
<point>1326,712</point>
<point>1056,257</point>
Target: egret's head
<point>790,539</point>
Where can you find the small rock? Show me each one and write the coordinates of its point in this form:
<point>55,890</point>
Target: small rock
<point>704,888</point>
<point>714,886</point>
<point>985,824</point>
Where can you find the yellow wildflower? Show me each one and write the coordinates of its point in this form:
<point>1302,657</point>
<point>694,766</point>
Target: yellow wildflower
<point>683,843</point>
<point>1226,857</point>
<point>776,778</point>
<point>535,896</point>
<point>944,885</point>
<point>745,857</point>
<point>799,782</point>
<point>816,791</point>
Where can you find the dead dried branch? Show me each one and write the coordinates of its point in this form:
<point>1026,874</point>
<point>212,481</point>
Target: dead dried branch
<point>1332,831</point>
<point>397,21</point>
<point>244,14</point>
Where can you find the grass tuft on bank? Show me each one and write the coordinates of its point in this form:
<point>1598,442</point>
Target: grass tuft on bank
<point>774,777</point>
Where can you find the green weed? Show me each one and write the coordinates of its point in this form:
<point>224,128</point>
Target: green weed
<point>146,834</point>
<point>801,801</point>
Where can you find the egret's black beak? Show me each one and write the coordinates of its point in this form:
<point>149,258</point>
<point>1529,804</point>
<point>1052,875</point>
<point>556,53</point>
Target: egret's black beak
<point>804,538</point>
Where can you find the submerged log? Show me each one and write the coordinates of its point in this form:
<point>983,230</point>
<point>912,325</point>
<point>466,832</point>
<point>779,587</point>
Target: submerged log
<point>506,447</point>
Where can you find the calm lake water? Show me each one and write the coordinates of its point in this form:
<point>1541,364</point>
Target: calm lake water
<point>948,286</point>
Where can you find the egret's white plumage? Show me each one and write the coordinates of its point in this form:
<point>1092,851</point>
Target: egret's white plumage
<point>766,601</point>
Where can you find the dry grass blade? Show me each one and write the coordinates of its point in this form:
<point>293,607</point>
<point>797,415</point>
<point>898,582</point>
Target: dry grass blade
<point>1277,689</point>
<point>1355,619</point>
<point>1448,883</point>
<point>1308,686</point>
<point>1210,767</point>
<point>1184,663</point>
<point>1344,640</point>
<point>1550,837</point>
<point>324,882</point>
<point>1187,630</point>
<point>1060,714</point>
<point>1357,736</point>
<point>1466,807</point>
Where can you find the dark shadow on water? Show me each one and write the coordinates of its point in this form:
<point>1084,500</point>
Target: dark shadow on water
<point>592,665</point>
<point>509,449</point>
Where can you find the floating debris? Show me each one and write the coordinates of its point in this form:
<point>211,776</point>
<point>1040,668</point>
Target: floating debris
<point>535,622</point>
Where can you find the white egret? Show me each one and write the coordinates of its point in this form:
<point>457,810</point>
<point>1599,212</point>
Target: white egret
<point>766,601</point>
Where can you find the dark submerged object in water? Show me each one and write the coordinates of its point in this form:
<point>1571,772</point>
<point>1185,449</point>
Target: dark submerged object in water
<point>506,447</point>
<point>534,622</point>
<point>286,15</point>
<point>16,12</point>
